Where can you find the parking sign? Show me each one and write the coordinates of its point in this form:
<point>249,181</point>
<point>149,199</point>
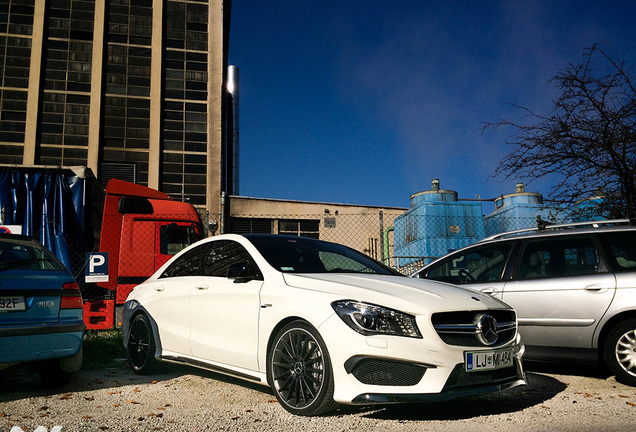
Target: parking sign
<point>97,267</point>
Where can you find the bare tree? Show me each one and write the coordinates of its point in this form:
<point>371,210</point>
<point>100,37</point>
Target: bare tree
<point>587,142</point>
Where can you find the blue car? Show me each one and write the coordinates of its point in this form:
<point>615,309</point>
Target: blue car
<point>41,315</point>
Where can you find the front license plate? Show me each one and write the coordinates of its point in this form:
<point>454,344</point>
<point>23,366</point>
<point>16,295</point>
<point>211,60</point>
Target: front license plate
<point>487,360</point>
<point>12,303</point>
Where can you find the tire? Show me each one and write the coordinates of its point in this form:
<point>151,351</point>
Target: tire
<point>299,370</point>
<point>51,373</point>
<point>141,346</point>
<point>620,352</point>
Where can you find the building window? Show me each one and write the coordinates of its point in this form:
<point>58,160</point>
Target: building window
<point>252,226</point>
<point>302,228</point>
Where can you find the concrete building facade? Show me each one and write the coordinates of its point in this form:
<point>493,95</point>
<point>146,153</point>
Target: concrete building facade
<point>133,89</point>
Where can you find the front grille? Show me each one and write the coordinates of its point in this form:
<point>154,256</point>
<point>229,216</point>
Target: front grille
<point>459,378</point>
<point>385,372</point>
<point>461,329</point>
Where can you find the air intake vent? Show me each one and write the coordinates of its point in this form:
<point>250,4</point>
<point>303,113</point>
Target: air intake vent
<point>120,171</point>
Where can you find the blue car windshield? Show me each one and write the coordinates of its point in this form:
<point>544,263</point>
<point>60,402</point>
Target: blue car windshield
<point>305,255</point>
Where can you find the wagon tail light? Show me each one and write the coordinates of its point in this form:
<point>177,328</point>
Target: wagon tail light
<point>71,296</point>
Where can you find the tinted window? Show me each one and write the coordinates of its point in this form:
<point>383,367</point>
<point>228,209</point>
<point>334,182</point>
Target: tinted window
<point>223,254</point>
<point>26,255</point>
<point>622,248</point>
<point>480,264</point>
<point>306,255</point>
<point>188,264</point>
<point>558,257</point>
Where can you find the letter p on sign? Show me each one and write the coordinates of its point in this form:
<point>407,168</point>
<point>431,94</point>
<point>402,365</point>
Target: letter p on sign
<point>96,261</point>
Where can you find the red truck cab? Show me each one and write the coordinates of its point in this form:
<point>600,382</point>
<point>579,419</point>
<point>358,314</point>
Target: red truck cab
<point>141,229</point>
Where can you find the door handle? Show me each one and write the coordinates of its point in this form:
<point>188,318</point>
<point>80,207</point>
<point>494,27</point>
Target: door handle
<point>159,288</point>
<point>201,287</point>
<point>596,289</point>
<point>490,291</point>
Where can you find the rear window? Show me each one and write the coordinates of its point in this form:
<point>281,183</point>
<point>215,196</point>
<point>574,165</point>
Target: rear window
<point>19,254</point>
<point>622,249</point>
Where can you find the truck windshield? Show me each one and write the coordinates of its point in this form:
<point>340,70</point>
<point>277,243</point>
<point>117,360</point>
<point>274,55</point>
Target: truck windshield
<point>305,255</point>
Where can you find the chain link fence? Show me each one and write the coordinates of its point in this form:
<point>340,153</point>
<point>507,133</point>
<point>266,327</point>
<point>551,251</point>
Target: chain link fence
<point>403,243</point>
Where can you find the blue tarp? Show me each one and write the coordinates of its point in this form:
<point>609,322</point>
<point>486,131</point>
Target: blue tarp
<point>50,208</point>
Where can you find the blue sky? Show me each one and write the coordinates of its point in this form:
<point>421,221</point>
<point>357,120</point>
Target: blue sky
<point>364,102</point>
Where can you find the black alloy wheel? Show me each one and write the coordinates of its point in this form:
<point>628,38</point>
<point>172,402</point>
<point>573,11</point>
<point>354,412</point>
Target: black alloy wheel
<point>141,346</point>
<point>299,370</point>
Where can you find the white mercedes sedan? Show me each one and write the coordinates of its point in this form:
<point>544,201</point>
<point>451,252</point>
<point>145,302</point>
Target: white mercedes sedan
<point>321,324</point>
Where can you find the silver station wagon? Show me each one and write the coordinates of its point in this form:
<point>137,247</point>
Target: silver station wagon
<point>573,287</point>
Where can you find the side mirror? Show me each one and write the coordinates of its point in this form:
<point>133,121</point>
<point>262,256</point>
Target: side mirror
<point>241,272</point>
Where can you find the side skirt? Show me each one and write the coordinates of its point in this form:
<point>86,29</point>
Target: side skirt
<point>213,368</point>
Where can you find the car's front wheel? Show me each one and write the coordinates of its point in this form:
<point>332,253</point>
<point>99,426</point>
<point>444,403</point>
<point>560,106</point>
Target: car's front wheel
<point>620,351</point>
<point>299,370</point>
<point>141,346</point>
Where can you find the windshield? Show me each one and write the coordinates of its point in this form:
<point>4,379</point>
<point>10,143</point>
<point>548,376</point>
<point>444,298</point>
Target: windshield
<point>305,255</point>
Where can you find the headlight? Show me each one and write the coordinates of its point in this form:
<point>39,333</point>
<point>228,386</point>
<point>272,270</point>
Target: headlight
<point>369,319</point>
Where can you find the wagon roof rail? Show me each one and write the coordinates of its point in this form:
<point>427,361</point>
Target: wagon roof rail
<point>543,226</point>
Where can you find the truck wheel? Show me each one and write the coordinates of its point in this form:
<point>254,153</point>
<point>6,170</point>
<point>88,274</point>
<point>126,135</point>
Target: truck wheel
<point>141,346</point>
<point>620,351</point>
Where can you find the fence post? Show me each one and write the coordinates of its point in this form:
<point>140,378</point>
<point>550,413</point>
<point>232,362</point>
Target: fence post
<point>381,236</point>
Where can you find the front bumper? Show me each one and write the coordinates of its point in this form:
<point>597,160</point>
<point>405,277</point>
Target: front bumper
<point>401,369</point>
<point>459,384</point>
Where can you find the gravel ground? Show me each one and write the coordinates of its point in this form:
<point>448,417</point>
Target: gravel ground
<point>184,399</point>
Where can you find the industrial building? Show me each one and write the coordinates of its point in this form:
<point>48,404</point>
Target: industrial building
<point>132,89</point>
<point>140,90</point>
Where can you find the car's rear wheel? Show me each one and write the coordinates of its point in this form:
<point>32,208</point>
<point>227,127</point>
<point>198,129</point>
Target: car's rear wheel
<point>141,346</point>
<point>620,351</point>
<point>299,370</point>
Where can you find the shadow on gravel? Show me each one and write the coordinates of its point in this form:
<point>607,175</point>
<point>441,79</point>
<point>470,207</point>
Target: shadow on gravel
<point>589,371</point>
<point>22,382</point>
<point>540,388</point>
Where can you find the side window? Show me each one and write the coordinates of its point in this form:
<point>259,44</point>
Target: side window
<point>622,248</point>
<point>173,238</point>
<point>223,254</point>
<point>188,264</point>
<point>481,264</point>
<point>337,262</point>
<point>558,257</point>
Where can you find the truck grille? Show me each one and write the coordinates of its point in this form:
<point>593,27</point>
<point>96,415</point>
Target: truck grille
<point>476,328</point>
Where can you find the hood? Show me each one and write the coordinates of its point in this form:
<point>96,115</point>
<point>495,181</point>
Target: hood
<point>415,296</point>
